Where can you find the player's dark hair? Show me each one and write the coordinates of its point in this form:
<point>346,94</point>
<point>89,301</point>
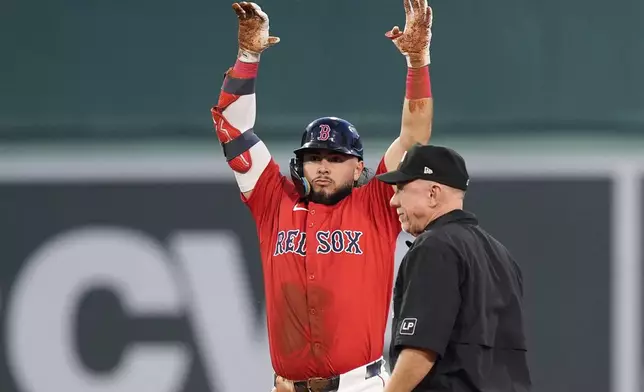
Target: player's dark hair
<point>365,177</point>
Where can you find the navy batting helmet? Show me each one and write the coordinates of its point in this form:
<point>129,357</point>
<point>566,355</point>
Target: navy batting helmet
<point>326,133</point>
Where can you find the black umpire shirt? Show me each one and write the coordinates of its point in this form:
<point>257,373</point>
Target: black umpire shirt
<point>459,294</point>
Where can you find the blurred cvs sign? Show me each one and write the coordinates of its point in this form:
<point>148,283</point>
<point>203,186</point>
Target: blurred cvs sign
<point>195,274</point>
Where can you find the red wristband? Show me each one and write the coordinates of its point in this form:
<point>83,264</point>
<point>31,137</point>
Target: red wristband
<point>418,83</point>
<point>245,70</point>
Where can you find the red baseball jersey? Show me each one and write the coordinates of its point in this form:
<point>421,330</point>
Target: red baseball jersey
<point>328,274</point>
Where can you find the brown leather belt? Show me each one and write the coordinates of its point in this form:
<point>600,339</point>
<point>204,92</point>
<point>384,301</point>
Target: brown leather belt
<point>332,384</point>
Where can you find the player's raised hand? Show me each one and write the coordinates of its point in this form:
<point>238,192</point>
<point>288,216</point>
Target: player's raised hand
<point>413,42</point>
<point>253,35</point>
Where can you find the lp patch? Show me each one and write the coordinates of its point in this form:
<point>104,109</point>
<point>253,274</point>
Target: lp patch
<point>408,326</point>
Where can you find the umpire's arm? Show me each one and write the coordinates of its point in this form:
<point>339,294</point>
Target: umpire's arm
<point>430,304</point>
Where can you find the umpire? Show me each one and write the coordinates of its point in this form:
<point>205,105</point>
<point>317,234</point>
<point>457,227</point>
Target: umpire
<point>458,297</point>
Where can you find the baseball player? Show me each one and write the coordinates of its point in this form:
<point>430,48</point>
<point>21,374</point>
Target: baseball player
<point>327,236</point>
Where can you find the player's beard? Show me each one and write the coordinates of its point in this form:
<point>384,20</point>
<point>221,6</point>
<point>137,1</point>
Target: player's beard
<point>333,198</point>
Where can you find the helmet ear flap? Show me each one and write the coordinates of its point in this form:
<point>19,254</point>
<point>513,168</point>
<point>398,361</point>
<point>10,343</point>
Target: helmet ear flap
<point>297,175</point>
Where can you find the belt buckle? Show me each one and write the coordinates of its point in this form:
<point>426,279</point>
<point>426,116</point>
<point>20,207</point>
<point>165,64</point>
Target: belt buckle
<point>317,384</point>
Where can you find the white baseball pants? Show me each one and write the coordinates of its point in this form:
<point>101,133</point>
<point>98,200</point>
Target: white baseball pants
<point>354,380</point>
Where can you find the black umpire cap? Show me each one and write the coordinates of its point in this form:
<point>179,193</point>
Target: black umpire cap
<point>432,163</point>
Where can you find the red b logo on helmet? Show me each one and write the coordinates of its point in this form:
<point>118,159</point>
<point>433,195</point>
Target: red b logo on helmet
<point>325,132</point>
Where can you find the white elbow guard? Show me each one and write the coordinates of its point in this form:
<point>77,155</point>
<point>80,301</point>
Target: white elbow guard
<point>260,158</point>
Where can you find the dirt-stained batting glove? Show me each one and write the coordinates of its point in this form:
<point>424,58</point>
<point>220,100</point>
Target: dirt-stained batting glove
<point>414,41</point>
<point>253,35</point>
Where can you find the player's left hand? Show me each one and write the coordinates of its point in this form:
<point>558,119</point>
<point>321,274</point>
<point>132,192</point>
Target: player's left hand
<point>414,41</point>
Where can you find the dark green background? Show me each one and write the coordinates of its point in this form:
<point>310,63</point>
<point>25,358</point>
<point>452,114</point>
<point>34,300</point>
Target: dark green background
<point>142,68</point>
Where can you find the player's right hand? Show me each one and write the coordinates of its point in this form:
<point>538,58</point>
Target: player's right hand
<point>253,36</point>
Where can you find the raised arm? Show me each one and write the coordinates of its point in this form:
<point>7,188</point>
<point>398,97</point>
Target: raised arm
<point>418,107</point>
<point>234,115</point>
